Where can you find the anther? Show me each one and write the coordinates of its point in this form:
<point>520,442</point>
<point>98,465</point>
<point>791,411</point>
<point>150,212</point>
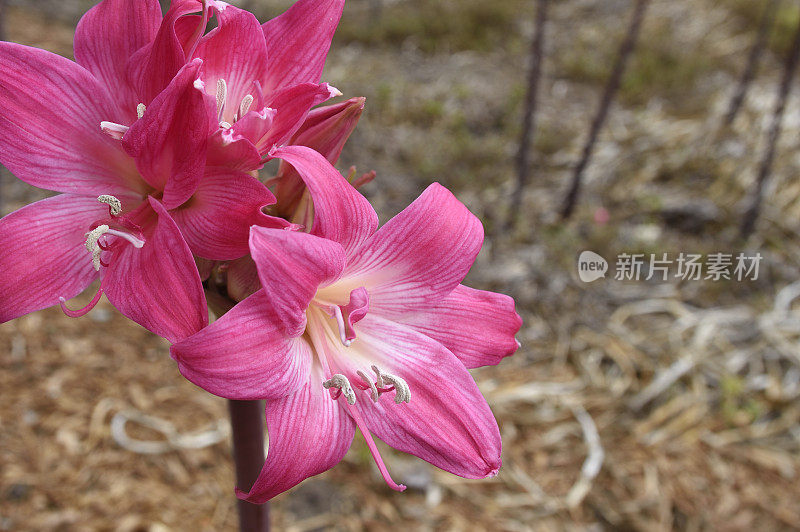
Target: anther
<point>114,205</point>
<point>340,382</point>
<point>402,393</point>
<point>140,109</point>
<point>247,101</point>
<point>222,92</point>
<point>91,244</point>
<point>373,393</point>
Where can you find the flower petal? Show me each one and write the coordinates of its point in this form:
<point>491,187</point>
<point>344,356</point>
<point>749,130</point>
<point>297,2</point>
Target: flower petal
<point>298,42</point>
<point>216,222</point>
<point>243,355</point>
<point>106,38</point>
<point>292,105</point>
<point>169,142</point>
<point>325,130</point>
<point>309,433</point>
<point>447,422</point>
<point>232,53</point>
<point>341,213</point>
<point>42,253</point>
<point>50,134</point>
<point>243,278</point>
<point>419,256</point>
<point>153,66</point>
<point>158,285</point>
<point>291,267</point>
<point>475,325</point>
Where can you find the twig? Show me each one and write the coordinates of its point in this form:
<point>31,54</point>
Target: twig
<point>752,212</point>
<point>612,85</point>
<point>529,116</point>
<point>592,464</point>
<point>764,28</point>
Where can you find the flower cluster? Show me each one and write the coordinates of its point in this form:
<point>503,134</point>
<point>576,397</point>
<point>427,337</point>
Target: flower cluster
<point>154,138</point>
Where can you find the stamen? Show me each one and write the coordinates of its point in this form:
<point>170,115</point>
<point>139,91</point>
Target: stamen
<point>80,312</point>
<point>373,449</point>
<point>114,130</point>
<point>224,125</point>
<point>222,92</point>
<point>337,312</point>
<point>247,101</point>
<point>402,392</point>
<point>114,205</point>
<point>140,109</point>
<point>340,382</point>
<point>373,393</point>
<point>95,248</point>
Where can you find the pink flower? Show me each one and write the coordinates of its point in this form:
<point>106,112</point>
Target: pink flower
<point>356,326</point>
<point>264,78</point>
<point>63,129</point>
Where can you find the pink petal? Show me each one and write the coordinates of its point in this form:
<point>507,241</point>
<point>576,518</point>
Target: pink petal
<point>216,222</point>
<point>152,67</point>
<point>243,278</point>
<point>419,256</point>
<point>447,422</point>
<point>292,105</point>
<point>298,42</point>
<point>476,326</point>
<point>106,38</point>
<point>341,213</point>
<point>169,142</point>
<point>309,433</point>
<point>292,266</point>
<point>235,148</point>
<point>243,355</point>
<point>42,253</point>
<point>50,134</point>
<point>325,130</point>
<point>158,285</point>
<point>232,53</point>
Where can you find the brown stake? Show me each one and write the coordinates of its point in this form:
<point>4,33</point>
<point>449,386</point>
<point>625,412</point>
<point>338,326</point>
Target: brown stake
<point>529,116</point>
<point>764,28</point>
<point>247,425</point>
<point>789,69</point>
<point>612,85</point>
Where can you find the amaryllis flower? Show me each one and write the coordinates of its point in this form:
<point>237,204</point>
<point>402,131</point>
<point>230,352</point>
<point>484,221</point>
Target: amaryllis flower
<point>361,327</point>
<point>137,199</point>
<point>264,78</point>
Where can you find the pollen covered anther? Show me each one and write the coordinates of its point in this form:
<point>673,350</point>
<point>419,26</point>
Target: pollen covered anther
<point>340,382</point>
<point>373,390</point>
<point>402,392</point>
<point>114,205</point>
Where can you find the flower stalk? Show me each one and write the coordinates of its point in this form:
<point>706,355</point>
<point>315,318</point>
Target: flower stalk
<point>247,427</point>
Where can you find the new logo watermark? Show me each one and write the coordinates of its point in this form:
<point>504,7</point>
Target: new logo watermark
<point>591,266</point>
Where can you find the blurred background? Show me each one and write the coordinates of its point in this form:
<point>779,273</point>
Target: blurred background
<point>632,404</point>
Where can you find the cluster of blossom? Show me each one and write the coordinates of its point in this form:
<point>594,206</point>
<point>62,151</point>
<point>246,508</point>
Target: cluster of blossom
<point>153,139</point>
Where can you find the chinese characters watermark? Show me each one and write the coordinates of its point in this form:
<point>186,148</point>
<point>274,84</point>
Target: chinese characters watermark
<point>666,266</point>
